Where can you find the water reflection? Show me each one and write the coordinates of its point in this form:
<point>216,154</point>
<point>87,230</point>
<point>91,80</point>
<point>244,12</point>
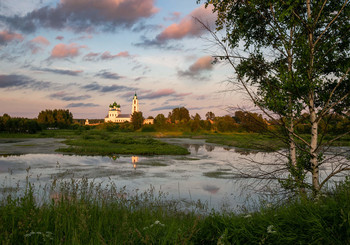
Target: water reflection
<point>212,189</point>
<point>134,160</point>
<point>209,148</point>
<point>206,174</point>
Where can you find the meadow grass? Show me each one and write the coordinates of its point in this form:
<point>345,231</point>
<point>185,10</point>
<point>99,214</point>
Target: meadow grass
<point>81,212</point>
<point>88,141</point>
<point>104,143</point>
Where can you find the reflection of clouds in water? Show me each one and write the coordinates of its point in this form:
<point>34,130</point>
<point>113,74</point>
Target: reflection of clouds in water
<point>213,189</point>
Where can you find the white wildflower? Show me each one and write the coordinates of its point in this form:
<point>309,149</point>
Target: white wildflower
<point>247,216</point>
<point>271,230</point>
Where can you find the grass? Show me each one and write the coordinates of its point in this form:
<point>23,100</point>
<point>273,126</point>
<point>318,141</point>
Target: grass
<point>81,138</point>
<point>246,141</point>
<point>81,212</point>
<point>103,143</point>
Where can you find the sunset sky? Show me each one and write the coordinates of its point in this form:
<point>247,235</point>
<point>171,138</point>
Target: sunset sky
<point>83,55</point>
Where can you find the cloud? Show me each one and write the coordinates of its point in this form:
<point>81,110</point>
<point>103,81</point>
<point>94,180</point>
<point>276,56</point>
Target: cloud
<point>106,89</point>
<point>59,38</point>
<point>20,82</point>
<point>195,70</point>
<point>40,40</point>
<point>142,27</point>
<point>175,16</point>
<point>67,97</point>
<point>160,93</point>
<point>154,43</point>
<point>7,36</point>
<point>91,56</point>
<point>82,105</point>
<point>66,50</point>
<point>84,15</point>
<point>168,107</point>
<point>37,44</point>
<point>108,56</point>
<point>60,71</point>
<point>108,75</point>
<point>188,26</point>
<point>105,56</point>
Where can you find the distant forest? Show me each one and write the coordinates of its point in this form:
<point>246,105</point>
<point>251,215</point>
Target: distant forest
<point>178,119</point>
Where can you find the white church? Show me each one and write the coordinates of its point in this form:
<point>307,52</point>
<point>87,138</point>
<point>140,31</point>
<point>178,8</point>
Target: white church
<point>114,113</point>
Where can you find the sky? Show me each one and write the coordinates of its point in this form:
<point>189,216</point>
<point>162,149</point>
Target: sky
<point>83,55</point>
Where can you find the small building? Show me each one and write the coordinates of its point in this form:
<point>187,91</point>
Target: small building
<point>148,121</point>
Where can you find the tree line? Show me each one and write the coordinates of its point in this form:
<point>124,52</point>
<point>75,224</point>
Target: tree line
<point>57,118</point>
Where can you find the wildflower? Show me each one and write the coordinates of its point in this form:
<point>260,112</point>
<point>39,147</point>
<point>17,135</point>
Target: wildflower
<point>157,222</point>
<point>271,230</point>
<point>47,235</point>
<point>247,216</point>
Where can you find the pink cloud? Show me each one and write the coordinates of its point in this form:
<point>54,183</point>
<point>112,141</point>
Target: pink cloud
<point>59,37</point>
<point>106,56</point>
<point>7,36</point>
<point>188,26</point>
<point>204,63</point>
<point>38,43</point>
<point>41,40</point>
<point>64,51</point>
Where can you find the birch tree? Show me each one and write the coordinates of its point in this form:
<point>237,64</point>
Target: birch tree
<point>291,57</point>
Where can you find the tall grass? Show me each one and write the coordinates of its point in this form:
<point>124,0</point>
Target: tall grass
<point>83,212</point>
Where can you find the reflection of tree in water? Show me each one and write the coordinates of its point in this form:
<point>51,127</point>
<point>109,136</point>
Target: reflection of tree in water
<point>114,157</point>
<point>227,148</point>
<point>134,160</point>
<point>209,148</point>
<point>245,152</point>
<point>213,189</point>
<point>196,148</point>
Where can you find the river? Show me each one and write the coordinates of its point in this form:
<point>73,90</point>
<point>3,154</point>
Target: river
<point>208,174</point>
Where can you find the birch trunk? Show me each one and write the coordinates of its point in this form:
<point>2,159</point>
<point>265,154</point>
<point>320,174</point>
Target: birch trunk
<point>313,146</point>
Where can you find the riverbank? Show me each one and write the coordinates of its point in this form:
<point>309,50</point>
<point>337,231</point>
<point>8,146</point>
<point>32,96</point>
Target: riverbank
<point>79,212</point>
<point>104,142</point>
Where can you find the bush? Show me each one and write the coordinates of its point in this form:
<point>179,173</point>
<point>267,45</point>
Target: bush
<point>148,128</point>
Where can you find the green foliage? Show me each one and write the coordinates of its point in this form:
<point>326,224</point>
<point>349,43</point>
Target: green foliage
<point>55,118</point>
<point>290,57</point>
<point>148,128</point>
<point>225,124</point>
<point>179,115</point>
<point>160,121</point>
<point>18,125</point>
<point>137,120</point>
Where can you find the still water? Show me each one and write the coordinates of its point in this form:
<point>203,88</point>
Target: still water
<point>207,174</point>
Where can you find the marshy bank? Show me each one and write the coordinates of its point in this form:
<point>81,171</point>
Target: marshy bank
<point>79,212</point>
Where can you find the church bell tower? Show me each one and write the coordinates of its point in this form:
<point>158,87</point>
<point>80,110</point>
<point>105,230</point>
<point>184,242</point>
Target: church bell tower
<point>135,104</point>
